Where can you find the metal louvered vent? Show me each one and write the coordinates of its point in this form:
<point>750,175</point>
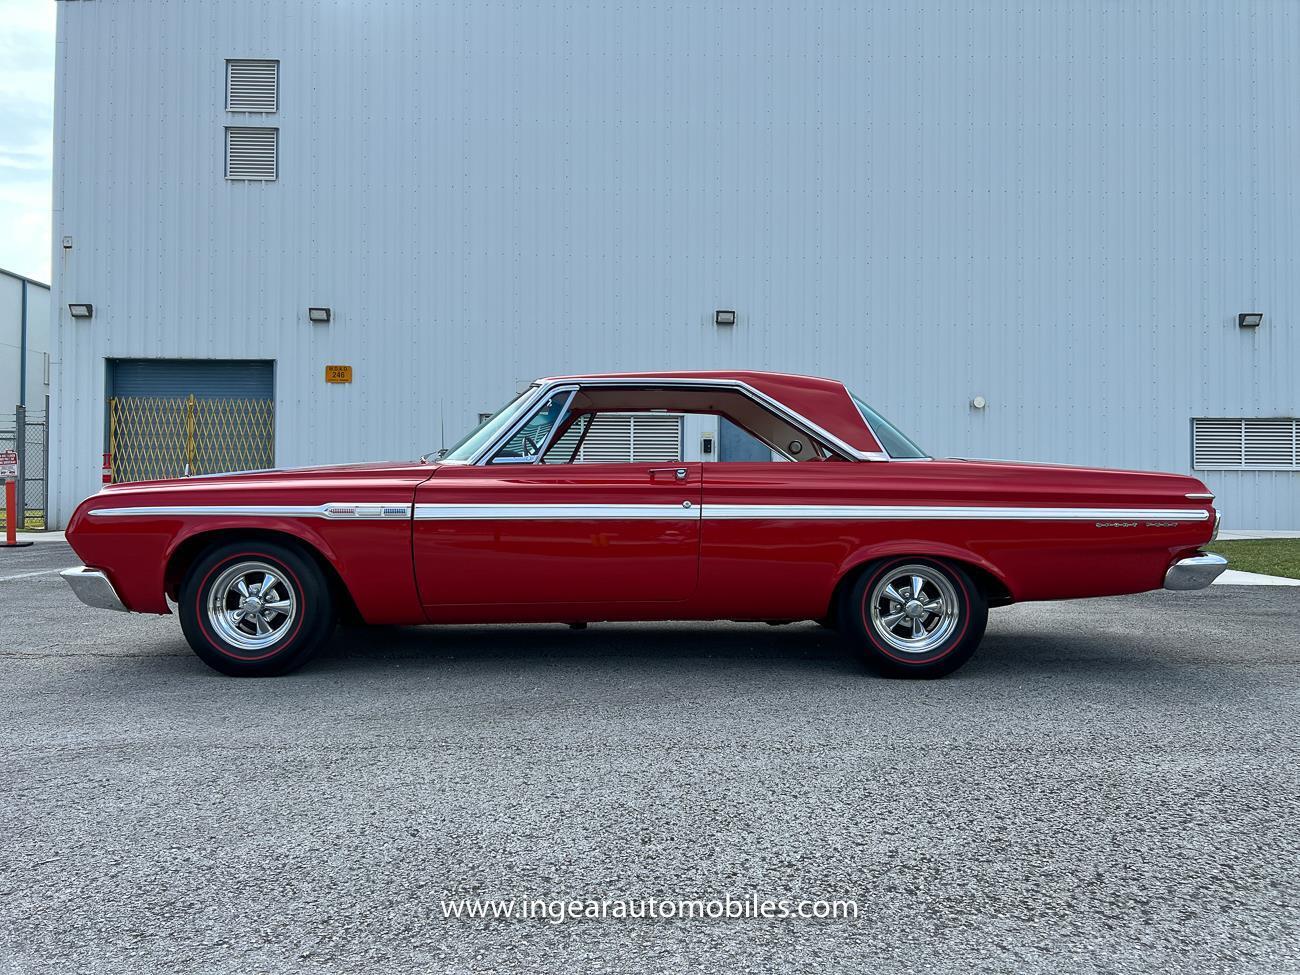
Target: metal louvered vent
<point>563,447</point>
<point>1237,443</point>
<point>633,438</point>
<point>656,438</point>
<point>251,153</point>
<point>252,86</point>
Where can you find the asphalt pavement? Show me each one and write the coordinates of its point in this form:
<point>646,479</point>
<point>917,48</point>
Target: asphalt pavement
<point>1110,785</point>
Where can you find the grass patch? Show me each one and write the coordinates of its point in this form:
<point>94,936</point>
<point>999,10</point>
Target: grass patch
<point>33,520</point>
<point>1269,556</point>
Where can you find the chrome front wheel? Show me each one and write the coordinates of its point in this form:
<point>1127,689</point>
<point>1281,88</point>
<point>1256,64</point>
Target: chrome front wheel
<point>252,605</point>
<point>255,608</point>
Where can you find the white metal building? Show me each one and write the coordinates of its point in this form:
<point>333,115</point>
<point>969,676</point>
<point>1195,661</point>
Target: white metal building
<point>24,342</point>
<point>1059,211</point>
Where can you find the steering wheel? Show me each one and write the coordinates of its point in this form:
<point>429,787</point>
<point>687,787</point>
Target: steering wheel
<point>530,446</point>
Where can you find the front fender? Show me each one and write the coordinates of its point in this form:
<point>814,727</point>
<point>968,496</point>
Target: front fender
<point>298,529</point>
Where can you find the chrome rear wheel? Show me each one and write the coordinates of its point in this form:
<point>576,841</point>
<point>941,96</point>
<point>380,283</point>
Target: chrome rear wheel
<point>914,608</point>
<point>914,615</point>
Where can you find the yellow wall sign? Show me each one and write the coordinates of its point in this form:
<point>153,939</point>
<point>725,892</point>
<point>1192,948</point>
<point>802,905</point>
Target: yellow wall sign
<point>338,374</point>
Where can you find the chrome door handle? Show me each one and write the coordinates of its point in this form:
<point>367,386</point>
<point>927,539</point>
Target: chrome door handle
<point>678,473</point>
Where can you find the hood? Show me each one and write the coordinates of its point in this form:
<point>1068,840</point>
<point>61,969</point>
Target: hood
<point>323,472</point>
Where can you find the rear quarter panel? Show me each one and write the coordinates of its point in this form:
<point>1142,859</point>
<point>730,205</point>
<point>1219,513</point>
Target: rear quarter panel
<point>788,566</point>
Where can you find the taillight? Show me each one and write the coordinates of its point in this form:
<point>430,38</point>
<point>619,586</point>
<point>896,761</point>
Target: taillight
<point>1218,516</point>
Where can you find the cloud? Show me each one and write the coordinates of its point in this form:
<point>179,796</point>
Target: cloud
<point>26,134</point>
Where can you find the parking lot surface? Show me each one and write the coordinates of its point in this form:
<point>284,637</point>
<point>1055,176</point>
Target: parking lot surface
<point>1110,785</point>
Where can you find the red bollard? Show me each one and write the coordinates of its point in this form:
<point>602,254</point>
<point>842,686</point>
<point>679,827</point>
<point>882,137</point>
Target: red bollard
<point>11,517</point>
<point>11,527</point>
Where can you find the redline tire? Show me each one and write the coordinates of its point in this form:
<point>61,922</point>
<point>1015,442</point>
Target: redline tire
<point>255,609</point>
<point>906,630</point>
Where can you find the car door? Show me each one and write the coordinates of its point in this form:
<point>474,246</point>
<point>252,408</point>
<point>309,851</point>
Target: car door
<point>541,541</point>
<point>763,553</point>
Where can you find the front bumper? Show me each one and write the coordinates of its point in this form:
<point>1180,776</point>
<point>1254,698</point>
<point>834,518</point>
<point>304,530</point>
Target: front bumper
<point>1195,573</point>
<point>93,588</point>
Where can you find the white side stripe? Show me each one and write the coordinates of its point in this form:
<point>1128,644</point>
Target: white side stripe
<point>370,511</point>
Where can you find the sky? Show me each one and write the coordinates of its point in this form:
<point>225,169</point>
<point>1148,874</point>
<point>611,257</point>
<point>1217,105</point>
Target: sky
<point>26,135</point>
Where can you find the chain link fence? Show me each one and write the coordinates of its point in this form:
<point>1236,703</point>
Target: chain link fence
<point>159,437</point>
<point>27,432</point>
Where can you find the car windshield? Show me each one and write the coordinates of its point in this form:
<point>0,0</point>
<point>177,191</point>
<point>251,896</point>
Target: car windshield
<point>892,440</point>
<point>485,432</point>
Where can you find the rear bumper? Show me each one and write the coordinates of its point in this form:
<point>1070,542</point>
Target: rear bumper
<point>1195,573</point>
<point>93,588</point>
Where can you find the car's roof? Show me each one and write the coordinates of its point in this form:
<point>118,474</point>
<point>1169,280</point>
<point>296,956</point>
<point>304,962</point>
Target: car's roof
<point>825,402</point>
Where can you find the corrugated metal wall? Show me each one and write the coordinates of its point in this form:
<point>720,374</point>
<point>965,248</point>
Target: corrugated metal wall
<point>11,340</point>
<point>1060,207</point>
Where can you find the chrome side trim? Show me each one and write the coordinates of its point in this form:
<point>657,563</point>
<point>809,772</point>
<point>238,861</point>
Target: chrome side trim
<point>867,512</point>
<point>373,511</point>
<point>366,511</point>
<point>1196,572</point>
<point>1199,497</point>
<point>546,386</point>
<point>677,511</point>
<point>92,587</point>
<point>330,511</point>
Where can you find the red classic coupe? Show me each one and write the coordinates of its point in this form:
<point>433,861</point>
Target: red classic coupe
<point>839,518</point>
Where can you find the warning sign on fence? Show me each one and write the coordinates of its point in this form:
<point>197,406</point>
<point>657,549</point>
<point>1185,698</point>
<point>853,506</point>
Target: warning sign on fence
<point>8,465</point>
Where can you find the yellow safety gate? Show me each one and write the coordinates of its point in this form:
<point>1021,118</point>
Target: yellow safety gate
<point>152,437</point>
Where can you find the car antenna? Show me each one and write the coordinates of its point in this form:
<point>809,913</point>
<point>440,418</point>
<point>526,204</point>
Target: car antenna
<point>442,435</point>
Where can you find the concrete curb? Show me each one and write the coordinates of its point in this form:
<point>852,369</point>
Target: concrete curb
<point>1234,577</point>
<point>40,537</point>
<point>1238,536</point>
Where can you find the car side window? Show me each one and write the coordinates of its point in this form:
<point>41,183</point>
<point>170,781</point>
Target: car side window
<point>530,440</point>
<point>564,449</point>
<point>602,424</point>
<point>735,444</point>
<point>662,437</point>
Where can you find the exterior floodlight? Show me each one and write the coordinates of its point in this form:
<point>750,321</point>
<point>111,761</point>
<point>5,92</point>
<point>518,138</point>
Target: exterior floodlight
<point>318,316</point>
<point>81,311</point>
<point>724,318</point>
<point>1250,319</point>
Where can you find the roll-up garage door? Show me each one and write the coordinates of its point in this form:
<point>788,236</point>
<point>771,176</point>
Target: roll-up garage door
<point>172,417</point>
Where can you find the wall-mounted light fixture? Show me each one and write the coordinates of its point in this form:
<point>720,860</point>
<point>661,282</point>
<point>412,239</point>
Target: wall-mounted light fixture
<point>978,403</point>
<point>318,316</point>
<point>77,310</point>
<point>1250,319</point>
<point>723,317</point>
